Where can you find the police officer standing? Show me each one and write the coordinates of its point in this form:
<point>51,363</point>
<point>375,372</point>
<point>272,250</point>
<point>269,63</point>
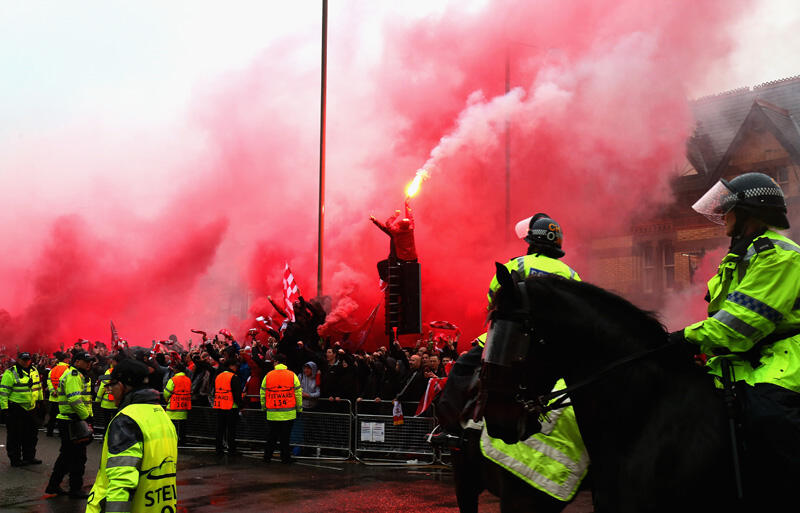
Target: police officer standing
<point>108,406</point>
<point>282,397</point>
<point>20,391</point>
<point>138,463</point>
<point>74,410</point>
<point>53,377</point>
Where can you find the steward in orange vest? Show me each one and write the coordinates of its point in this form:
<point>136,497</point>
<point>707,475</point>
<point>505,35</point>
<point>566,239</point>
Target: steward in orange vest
<point>227,401</point>
<point>282,397</point>
<point>52,387</point>
<point>178,396</point>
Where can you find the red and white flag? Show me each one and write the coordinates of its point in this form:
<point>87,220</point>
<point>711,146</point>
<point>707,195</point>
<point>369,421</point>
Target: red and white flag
<point>435,385</point>
<point>114,337</point>
<point>290,291</point>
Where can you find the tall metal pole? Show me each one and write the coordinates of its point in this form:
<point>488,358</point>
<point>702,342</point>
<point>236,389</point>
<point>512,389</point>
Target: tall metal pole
<point>507,227</point>
<point>323,88</point>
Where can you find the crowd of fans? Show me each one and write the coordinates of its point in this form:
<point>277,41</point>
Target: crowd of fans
<point>327,369</point>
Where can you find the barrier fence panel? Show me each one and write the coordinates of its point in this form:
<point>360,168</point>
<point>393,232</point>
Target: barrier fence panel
<point>380,441</point>
<point>326,430</point>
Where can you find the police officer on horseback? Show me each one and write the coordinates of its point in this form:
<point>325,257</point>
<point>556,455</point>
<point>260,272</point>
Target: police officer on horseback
<point>544,237</point>
<point>753,323</point>
<point>555,460</point>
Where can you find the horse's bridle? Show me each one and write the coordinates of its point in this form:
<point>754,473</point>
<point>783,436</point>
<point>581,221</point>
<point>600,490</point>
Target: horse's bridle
<point>509,340</point>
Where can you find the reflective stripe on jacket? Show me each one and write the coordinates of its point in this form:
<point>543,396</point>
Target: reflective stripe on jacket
<point>533,265</point>
<point>20,387</point>
<point>223,393</point>
<point>554,461</point>
<point>178,394</point>
<point>141,478</point>
<point>281,394</point>
<point>53,378</point>
<point>105,395</point>
<point>754,295</point>
<point>74,395</point>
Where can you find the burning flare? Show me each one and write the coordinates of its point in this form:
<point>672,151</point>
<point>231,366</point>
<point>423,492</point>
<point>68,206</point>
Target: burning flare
<point>413,187</point>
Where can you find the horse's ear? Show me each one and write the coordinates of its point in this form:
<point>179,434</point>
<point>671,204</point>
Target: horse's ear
<point>503,276</point>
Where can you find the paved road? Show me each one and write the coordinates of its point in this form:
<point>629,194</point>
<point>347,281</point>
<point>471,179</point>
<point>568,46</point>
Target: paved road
<point>245,484</point>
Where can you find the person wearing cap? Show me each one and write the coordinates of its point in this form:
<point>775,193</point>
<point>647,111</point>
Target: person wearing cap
<point>227,403</point>
<point>178,396</point>
<point>282,397</point>
<point>74,406</point>
<point>53,377</point>
<point>20,391</point>
<point>138,462</point>
<point>752,332</point>
<point>108,406</point>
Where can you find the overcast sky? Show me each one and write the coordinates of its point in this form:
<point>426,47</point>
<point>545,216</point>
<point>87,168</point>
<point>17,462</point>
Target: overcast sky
<point>152,54</point>
<point>134,67</point>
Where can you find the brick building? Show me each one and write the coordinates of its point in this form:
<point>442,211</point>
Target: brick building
<point>748,129</point>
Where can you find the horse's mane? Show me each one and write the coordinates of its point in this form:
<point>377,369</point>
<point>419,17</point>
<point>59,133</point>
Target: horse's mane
<point>607,304</point>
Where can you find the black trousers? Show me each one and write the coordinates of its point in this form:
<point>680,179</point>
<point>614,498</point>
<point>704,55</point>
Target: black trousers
<point>226,428</point>
<point>71,460</point>
<point>279,431</point>
<point>180,429</point>
<point>22,433</point>
<point>51,417</point>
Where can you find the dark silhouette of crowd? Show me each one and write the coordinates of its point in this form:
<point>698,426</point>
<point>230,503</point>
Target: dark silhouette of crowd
<point>331,369</point>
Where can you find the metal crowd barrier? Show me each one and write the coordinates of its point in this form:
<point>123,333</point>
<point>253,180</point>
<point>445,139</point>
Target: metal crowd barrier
<point>326,428</point>
<point>379,441</point>
<point>330,430</point>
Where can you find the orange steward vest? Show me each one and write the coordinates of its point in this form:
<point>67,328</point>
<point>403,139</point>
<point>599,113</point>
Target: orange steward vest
<point>279,390</point>
<point>181,398</point>
<point>56,373</point>
<point>223,394</point>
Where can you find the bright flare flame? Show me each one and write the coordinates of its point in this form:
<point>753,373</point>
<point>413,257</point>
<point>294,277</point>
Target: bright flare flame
<point>413,187</point>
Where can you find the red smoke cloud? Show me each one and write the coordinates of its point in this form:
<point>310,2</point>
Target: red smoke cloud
<point>596,117</point>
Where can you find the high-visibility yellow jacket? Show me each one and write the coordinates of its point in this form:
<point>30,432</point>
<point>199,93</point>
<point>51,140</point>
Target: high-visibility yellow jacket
<point>53,377</point>
<point>555,460</point>
<point>74,395</point>
<point>104,393</point>
<point>21,386</point>
<point>755,294</point>
<point>533,265</point>
<point>138,466</point>
<point>276,394</point>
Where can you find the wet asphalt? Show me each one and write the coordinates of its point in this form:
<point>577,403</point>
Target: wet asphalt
<point>243,484</point>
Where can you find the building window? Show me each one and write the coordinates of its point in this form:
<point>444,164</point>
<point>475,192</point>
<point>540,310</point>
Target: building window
<point>668,255</point>
<point>648,267</point>
<point>781,176</point>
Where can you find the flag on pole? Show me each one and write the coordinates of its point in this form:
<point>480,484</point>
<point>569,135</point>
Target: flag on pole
<point>114,336</point>
<point>290,291</point>
<point>435,385</point>
<point>360,336</point>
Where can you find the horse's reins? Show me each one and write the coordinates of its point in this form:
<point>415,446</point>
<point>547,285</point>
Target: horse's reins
<point>556,400</point>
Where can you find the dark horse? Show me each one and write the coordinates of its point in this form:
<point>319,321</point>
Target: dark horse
<point>657,431</point>
<point>473,472</point>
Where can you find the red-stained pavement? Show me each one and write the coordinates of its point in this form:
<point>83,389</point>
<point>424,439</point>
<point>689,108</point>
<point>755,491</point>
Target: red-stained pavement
<point>207,483</point>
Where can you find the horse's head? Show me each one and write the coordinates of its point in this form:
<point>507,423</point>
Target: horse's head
<point>505,380</point>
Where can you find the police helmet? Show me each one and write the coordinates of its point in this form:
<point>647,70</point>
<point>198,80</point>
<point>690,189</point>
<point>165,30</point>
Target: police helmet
<point>540,229</point>
<point>754,193</point>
